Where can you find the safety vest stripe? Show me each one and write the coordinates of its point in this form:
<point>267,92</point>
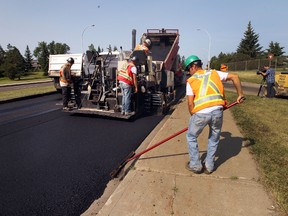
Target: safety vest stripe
<point>125,75</point>
<point>215,102</point>
<point>208,98</point>
<point>204,85</point>
<point>199,76</point>
<point>213,85</point>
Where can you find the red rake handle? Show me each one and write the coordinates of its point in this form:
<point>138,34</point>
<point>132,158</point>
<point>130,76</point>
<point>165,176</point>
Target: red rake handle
<point>230,105</point>
<point>157,144</point>
<point>170,137</point>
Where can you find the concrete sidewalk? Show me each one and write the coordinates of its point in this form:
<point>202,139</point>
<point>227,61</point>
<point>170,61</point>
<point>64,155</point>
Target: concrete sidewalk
<point>160,184</point>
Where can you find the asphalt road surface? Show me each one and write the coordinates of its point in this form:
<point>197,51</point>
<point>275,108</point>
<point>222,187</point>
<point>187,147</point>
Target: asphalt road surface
<point>54,163</point>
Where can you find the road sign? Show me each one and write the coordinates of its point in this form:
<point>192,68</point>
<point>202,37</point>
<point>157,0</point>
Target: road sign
<point>270,56</point>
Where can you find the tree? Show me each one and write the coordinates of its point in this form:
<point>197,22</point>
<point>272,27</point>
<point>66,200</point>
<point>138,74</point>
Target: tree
<point>99,50</point>
<point>115,48</point>
<point>182,62</point>
<point>58,48</point>
<point>274,48</point>
<point>2,60</point>
<point>42,54</point>
<point>43,51</point>
<point>14,64</point>
<point>91,48</point>
<point>249,45</point>
<point>28,60</point>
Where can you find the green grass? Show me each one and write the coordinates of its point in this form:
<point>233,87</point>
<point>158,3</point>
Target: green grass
<point>250,76</point>
<point>30,77</point>
<point>7,95</point>
<point>263,122</point>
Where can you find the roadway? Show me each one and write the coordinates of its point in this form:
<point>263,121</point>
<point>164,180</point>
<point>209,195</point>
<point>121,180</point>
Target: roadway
<point>55,163</point>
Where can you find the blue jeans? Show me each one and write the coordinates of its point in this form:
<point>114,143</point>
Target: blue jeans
<point>126,97</point>
<point>197,123</point>
<point>270,90</point>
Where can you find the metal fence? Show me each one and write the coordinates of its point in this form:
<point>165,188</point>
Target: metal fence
<point>276,63</point>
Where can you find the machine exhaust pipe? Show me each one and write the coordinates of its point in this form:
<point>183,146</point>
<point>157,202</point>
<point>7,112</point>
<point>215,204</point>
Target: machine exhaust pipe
<point>133,39</point>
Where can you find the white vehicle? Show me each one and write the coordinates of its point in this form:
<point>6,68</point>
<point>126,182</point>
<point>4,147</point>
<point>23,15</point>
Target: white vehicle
<point>57,61</point>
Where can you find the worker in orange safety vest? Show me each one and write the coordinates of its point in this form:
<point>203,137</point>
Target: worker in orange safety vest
<point>223,68</point>
<point>66,81</point>
<point>205,96</point>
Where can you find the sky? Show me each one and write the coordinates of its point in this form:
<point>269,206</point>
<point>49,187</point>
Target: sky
<point>218,24</point>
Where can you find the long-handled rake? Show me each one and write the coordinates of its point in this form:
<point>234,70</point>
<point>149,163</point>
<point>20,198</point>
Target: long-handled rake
<point>133,156</point>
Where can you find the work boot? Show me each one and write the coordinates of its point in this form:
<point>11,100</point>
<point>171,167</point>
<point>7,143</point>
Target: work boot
<point>66,109</point>
<point>196,171</point>
<point>129,113</point>
<point>206,170</point>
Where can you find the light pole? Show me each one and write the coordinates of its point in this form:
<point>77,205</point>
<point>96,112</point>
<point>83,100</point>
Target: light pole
<point>209,48</point>
<point>83,34</point>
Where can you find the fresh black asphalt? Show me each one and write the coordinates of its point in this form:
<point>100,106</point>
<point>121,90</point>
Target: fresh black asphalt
<point>54,163</point>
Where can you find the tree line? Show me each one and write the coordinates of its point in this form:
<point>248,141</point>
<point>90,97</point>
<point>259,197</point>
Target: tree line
<point>13,65</point>
<point>249,48</point>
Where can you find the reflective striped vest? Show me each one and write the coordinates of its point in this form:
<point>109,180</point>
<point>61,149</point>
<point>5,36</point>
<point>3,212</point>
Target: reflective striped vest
<point>142,47</point>
<point>207,88</point>
<point>125,75</point>
<point>63,82</point>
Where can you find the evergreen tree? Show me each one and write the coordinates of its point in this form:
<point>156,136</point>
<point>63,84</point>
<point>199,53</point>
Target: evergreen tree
<point>92,48</point>
<point>115,48</point>
<point>14,64</point>
<point>2,60</point>
<point>28,60</point>
<point>249,45</point>
<point>274,48</point>
<point>42,54</point>
<point>99,49</point>
<point>182,62</point>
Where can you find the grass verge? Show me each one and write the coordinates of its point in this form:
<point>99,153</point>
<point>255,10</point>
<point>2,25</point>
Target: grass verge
<point>250,76</point>
<point>8,95</point>
<point>30,77</point>
<point>263,123</point>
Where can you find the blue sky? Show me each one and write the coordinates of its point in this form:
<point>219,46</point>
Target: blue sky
<point>29,22</point>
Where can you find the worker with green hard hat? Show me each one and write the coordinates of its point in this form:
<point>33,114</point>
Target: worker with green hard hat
<point>206,99</point>
<point>192,59</point>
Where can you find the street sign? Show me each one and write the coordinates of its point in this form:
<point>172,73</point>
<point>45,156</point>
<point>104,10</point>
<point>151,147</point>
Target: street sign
<point>270,56</point>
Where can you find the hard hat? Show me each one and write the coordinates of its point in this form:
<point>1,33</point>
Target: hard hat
<point>147,41</point>
<point>223,66</point>
<point>70,60</point>
<point>192,60</point>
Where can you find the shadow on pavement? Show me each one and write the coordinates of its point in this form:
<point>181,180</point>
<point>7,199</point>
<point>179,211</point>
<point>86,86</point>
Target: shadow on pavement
<point>228,147</point>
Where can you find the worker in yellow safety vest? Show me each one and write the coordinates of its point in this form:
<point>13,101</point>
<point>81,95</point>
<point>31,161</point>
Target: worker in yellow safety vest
<point>205,96</point>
